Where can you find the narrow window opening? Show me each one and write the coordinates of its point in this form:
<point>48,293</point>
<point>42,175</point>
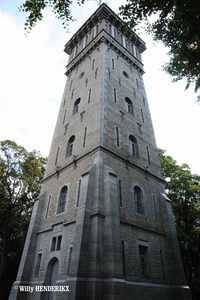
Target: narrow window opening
<point>133,145</point>
<point>148,155</point>
<point>78,194</point>
<point>70,86</point>
<point>143,261</point>
<point>123,41</point>
<point>144,102</point>
<point>137,84</point>
<point>57,153</point>
<point>59,240</point>
<point>53,244</point>
<point>113,64</point>
<point>64,117</point>
<point>64,102</point>
<point>155,207</point>
<point>85,41</point>
<point>48,205</point>
<point>142,115</point>
<point>62,200</point>
<point>115,95</point>
<point>70,146</point>
<point>117,135</point>
<point>120,193</point>
<point>84,137</point>
<point>138,199</point>
<point>69,260</point>
<point>76,106</point>
<point>89,95</point>
<point>123,258</point>
<point>129,105</point>
<point>93,63</point>
<point>75,52</point>
<point>37,268</point>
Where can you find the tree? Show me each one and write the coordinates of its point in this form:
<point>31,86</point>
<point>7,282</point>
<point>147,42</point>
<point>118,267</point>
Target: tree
<point>176,24</point>
<point>20,175</point>
<point>61,9</point>
<point>183,189</point>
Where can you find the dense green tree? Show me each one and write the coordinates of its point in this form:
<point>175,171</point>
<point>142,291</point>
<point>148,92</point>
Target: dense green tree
<point>183,189</point>
<point>20,175</point>
<point>174,22</point>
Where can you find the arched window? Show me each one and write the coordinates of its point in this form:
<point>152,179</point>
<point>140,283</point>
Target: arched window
<point>129,105</point>
<point>76,106</point>
<point>133,145</point>
<point>62,200</point>
<point>70,146</point>
<point>138,200</point>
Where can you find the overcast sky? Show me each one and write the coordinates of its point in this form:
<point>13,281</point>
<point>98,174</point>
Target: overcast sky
<point>32,82</point>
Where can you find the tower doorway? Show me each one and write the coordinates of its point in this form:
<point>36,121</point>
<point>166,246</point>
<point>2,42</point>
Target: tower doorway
<point>53,278</point>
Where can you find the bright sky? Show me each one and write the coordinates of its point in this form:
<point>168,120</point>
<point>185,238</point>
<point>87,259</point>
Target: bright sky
<point>32,82</point>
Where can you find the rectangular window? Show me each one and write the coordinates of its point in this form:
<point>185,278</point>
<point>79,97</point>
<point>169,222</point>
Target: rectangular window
<point>117,136</point>
<point>37,267</point>
<point>148,155</point>
<point>143,260</point>
<point>89,95</point>
<point>78,194</point>
<point>48,205</point>
<point>75,51</point>
<point>59,240</point>
<point>120,193</point>
<point>123,41</point>
<point>85,41</point>
<point>53,244</point>
<point>112,31</point>
<point>95,31</point>
<point>56,160</point>
<point>134,51</point>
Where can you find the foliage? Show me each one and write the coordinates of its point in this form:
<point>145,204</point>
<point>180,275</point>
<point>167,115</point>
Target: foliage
<point>20,175</point>
<point>183,188</point>
<point>34,8</point>
<point>176,24</point>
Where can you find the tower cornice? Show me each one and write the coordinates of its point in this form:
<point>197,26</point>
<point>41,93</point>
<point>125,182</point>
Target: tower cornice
<point>103,13</point>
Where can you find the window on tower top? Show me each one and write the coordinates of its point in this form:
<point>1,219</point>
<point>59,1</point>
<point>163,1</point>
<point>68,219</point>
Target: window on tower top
<point>84,42</point>
<point>123,41</point>
<point>112,31</point>
<point>76,106</point>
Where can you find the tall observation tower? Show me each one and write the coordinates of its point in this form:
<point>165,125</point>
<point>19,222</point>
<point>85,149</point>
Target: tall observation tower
<point>102,225</point>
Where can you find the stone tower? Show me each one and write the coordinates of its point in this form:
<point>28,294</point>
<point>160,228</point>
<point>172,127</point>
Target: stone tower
<point>102,225</point>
